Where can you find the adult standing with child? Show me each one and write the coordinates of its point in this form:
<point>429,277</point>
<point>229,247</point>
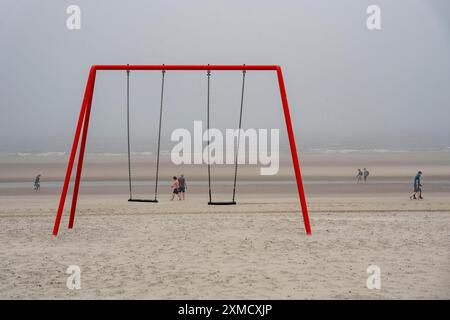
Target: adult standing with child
<point>182,186</point>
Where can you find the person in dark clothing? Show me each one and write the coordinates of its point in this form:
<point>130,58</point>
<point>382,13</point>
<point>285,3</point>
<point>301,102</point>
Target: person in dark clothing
<point>37,183</point>
<point>365,174</point>
<point>417,186</point>
<point>359,176</point>
<point>182,187</point>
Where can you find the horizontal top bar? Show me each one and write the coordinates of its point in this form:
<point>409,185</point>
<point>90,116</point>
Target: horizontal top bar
<point>185,67</point>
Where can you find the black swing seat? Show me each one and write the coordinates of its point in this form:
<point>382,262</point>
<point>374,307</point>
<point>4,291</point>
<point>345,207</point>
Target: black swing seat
<point>221,203</point>
<point>142,200</point>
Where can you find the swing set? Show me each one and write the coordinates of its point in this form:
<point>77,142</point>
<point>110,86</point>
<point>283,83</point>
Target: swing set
<point>83,125</point>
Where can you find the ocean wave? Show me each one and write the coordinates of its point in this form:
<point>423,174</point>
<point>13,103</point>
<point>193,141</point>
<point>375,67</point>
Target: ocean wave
<point>36,154</point>
<point>347,151</point>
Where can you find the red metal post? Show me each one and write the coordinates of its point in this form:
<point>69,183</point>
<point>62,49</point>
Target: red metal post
<point>295,161</point>
<point>92,75</point>
<point>76,138</point>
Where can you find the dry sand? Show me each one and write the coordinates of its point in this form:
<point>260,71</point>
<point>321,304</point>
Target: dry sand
<point>257,249</point>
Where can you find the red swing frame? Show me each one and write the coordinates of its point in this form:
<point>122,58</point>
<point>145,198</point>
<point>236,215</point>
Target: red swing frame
<point>83,123</point>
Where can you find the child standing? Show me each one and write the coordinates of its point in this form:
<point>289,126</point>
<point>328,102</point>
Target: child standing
<point>175,186</point>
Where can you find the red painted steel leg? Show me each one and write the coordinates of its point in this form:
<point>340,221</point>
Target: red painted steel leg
<point>82,149</point>
<point>71,161</point>
<point>295,160</point>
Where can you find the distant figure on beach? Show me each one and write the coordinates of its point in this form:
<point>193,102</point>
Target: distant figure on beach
<point>417,186</point>
<point>175,186</point>
<point>365,174</point>
<point>37,183</point>
<point>182,187</point>
<point>359,176</point>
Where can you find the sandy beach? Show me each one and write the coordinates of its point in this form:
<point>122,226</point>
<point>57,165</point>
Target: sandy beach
<point>127,93</point>
<point>254,250</point>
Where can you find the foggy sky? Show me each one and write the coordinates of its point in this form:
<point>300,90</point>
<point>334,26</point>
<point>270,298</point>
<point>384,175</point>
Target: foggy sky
<point>346,85</point>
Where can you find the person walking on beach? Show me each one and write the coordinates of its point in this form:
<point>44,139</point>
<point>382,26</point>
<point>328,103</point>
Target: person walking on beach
<point>175,186</point>
<point>417,186</point>
<point>182,187</point>
<point>359,176</point>
<point>37,183</point>
<point>365,174</point>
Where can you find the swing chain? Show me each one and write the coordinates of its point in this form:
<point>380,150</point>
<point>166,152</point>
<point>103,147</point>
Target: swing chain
<point>208,73</point>
<point>239,134</point>
<point>128,134</point>
<point>163,72</point>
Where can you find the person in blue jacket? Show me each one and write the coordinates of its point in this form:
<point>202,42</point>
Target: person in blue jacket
<point>417,186</point>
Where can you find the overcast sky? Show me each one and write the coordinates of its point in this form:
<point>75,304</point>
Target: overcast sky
<point>346,85</point>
